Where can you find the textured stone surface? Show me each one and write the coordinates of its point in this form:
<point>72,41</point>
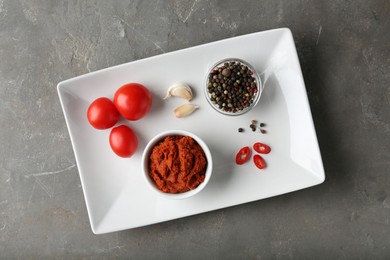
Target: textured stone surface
<point>344,51</point>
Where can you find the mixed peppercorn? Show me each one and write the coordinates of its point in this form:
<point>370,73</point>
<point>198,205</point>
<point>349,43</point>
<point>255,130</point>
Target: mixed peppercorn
<point>232,87</point>
<point>254,127</point>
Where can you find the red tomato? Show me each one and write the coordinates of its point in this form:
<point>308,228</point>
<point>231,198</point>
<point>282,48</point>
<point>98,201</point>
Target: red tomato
<point>261,148</point>
<point>123,141</point>
<point>102,113</point>
<point>259,161</point>
<point>243,155</point>
<point>133,101</point>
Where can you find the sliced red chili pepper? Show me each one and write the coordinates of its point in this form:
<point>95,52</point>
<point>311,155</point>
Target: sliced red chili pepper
<point>259,161</point>
<point>261,148</point>
<point>243,155</point>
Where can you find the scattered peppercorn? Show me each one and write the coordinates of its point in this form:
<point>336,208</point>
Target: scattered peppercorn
<point>253,127</point>
<point>232,87</point>
<point>262,124</point>
<point>263,131</point>
<point>240,130</point>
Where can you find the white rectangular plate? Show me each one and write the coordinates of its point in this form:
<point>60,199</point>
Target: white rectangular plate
<point>116,194</point>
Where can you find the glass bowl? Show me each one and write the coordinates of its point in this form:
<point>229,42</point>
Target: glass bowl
<point>229,92</point>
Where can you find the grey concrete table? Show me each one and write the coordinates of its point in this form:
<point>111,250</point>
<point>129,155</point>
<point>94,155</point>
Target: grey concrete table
<point>343,47</point>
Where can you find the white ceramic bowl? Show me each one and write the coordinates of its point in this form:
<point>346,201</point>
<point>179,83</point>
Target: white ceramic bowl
<point>145,164</point>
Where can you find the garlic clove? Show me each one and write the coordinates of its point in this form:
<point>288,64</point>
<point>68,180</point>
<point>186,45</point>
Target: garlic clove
<point>182,92</point>
<point>179,90</point>
<point>185,110</point>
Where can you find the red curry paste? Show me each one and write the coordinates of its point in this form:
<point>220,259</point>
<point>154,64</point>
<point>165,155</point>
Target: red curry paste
<point>177,164</point>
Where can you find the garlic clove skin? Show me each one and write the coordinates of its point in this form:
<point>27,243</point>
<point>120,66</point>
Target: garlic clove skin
<point>185,110</point>
<point>179,90</point>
